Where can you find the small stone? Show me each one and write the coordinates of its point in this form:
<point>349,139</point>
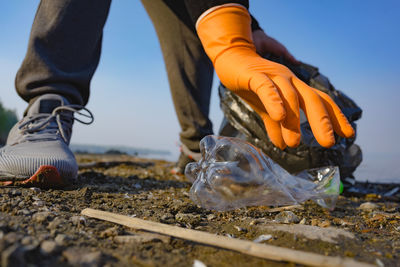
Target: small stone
<point>36,190</point>
<point>12,237</point>
<point>21,204</point>
<point>15,192</point>
<point>262,238</point>
<point>112,231</point>
<point>368,206</point>
<point>39,203</point>
<point>47,247</point>
<point>258,221</point>
<point>78,220</point>
<point>187,218</point>
<point>240,229</point>
<point>314,222</point>
<point>303,221</point>
<point>211,217</point>
<point>41,216</point>
<point>82,257</point>
<point>286,217</point>
<point>61,239</point>
<point>379,263</point>
<point>167,217</point>
<point>324,224</point>
<point>27,240</point>
<point>55,223</point>
<point>23,212</point>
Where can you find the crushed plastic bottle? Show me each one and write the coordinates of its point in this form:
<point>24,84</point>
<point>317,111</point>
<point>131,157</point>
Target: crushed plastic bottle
<point>233,174</point>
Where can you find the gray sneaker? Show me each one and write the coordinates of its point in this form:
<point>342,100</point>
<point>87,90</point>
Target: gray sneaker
<point>36,152</point>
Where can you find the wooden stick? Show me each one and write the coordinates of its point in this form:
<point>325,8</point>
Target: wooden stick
<point>247,247</point>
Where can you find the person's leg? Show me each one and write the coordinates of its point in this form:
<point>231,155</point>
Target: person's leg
<point>190,72</point>
<point>63,53</point>
<point>63,49</point>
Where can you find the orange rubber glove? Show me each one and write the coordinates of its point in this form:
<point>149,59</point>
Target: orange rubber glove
<point>272,90</point>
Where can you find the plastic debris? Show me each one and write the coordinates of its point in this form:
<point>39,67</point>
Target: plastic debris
<point>286,216</point>
<point>233,174</point>
<point>368,206</point>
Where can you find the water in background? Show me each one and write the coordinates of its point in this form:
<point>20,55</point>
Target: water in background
<point>379,168</point>
<point>140,152</point>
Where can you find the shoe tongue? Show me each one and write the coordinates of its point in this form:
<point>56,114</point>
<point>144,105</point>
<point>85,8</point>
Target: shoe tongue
<point>46,104</point>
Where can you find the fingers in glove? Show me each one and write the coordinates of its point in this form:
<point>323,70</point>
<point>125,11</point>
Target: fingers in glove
<point>268,95</point>
<point>340,123</point>
<point>291,124</point>
<point>318,117</point>
<point>274,131</point>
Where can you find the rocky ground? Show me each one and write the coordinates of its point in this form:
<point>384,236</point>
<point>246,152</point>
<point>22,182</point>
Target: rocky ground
<point>44,227</point>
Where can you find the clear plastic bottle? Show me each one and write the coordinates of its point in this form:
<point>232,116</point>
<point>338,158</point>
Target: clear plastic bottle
<point>233,174</point>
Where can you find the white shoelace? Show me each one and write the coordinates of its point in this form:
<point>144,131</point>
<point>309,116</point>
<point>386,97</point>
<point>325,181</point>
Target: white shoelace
<point>51,126</point>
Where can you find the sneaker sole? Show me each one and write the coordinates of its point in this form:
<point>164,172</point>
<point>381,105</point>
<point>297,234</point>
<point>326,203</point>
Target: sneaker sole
<point>45,177</point>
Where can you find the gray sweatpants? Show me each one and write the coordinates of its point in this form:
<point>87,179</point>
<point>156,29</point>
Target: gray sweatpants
<point>65,45</point>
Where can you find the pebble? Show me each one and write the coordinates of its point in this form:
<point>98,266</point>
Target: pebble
<point>211,217</point>
<point>240,229</point>
<point>41,216</point>
<point>379,263</point>
<point>258,221</point>
<point>112,231</point>
<point>12,237</point>
<point>39,203</point>
<point>324,224</point>
<point>314,222</point>
<point>15,192</point>
<point>78,220</point>
<point>167,217</point>
<point>303,221</point>
<point>36,190</point>
<point>55,223</point>
<point>187,218</point>
<point>61,239</point>
<point>23,212</point>
<point>262,238</point>
<point>21,204</point>
<point>82,257</point>
<point>27,240</point>
<point>47,247</point>
<point>286,217</point>
<point>368,206</point>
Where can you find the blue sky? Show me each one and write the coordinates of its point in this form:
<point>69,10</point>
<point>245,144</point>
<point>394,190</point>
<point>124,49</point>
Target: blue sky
<point>355,43</point>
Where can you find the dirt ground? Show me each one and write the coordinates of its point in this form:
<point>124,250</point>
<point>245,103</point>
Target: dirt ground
<point>44,227</point>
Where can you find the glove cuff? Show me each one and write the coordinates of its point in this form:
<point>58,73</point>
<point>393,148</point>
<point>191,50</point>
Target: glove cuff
<point>224,27</point>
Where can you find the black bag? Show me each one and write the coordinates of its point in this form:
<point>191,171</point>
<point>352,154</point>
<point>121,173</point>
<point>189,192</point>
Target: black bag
<point>243,122</point>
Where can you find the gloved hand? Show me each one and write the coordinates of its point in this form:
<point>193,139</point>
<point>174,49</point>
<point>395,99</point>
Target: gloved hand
<point>266,44</point>
<point>272,90</point>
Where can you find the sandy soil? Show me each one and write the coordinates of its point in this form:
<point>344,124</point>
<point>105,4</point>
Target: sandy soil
<point>44,227</point>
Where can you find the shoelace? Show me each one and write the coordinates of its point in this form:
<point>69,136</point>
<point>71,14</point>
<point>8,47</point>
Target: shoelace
<point>42,126</point>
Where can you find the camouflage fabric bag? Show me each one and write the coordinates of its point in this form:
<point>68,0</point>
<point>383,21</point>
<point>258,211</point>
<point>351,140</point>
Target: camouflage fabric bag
<point>243,122</point>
